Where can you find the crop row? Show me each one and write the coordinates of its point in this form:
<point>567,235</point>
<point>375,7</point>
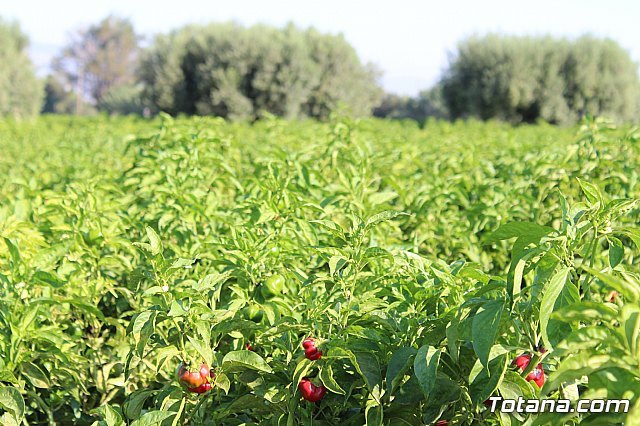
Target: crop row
<point>192,270</point>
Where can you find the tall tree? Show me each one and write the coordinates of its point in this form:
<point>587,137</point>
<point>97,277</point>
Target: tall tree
<point>241,73</point>
<point>97,60</point>
<point>529,78</point>
<point>20,90</point>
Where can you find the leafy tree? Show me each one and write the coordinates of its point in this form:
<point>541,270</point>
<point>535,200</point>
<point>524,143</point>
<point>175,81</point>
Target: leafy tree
<point>341,78</point>
<point>20,90</point>
<point>529,78</point>
<point>242,73</point>
<point>97,60</point>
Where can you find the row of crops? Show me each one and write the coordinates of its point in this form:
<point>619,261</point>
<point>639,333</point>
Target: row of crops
<point>194,271</point>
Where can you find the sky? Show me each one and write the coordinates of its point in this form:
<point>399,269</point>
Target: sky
<point>409,41</point>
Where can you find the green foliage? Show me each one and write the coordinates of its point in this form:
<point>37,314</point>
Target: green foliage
<point>243,73</point>
<point>20,91</point>
<point>529,78</point>
<point>422,261</point>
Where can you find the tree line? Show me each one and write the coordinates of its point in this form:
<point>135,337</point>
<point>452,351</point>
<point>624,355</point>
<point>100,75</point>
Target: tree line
<point>219,69</point>
<point>243,73</point>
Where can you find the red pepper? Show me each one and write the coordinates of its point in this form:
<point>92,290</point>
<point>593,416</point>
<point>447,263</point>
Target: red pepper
<point>205,387</point>
<point>310,349</point>
<point>193,379</point>
<point>311,392</point>
<point>536,375</point>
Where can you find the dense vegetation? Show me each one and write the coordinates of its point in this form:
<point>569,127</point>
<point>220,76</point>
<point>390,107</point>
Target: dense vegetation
<point>246,73</point>
<point>529,78</point>
<point>222,69</point>
<point>20,91</point>
<point>421,261</point>
<point>526,79</point>
<point>230,71</point>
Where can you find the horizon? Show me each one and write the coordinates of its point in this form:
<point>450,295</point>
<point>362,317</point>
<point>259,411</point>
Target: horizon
<point>411,52</point>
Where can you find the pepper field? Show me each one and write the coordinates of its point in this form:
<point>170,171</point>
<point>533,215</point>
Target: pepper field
<point>423,261</point>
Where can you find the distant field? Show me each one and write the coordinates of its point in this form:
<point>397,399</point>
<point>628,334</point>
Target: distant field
<point>423,262</point>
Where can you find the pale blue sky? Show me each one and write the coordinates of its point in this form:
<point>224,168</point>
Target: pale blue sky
<point>407,40</point>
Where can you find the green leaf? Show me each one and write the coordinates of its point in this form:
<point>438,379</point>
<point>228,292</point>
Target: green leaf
<point>12,401</point>
<point>222,381</point>
<point>326,376</point>
<point>154,241</point>
<point>591,191</point>
<point>485,381</point>
<point>631,326</point>
<point>620,206</point>
<point>452,334</point>
<point>373,414</point>
<point>518,229</point>
<point>85,306</point>
<point>551,291</point>
<point>135,402</point>
<point>517,267</point>
<point>409,392</point>
<point>382,197</point>
<point>633,234</point>
<point>514,386</point>
<point>484,328</point>
<point>35,375</point>
<point>629,288</point>
<point>8,376</point>
<point>246,402</point>
<point>377,252</point>
<point>182,264</point>
<point>242,360</point>
<point>383,216</point>
<point>143,328</point>
<point>146,248</point>
<point>400,362</point>
<point>558,329</point>
<point>616,252</point>
<point>446,392</point>
<point>336,263</point>
<point>585,311</point>
<point>425,367</point>
<point>29,315</point>
<point>586,338</point>
<point>177,309</point>
<point>576,366</point>
<point>48,278</point>
<point>7,419</point>
<point>110,415</point>
<point>302,369</point>
<point>203,349</point>
<point>368,366</point>
<point>153,418</point>
<point>13,251</point>
<point>330,226</point>
<point>633,417</point>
